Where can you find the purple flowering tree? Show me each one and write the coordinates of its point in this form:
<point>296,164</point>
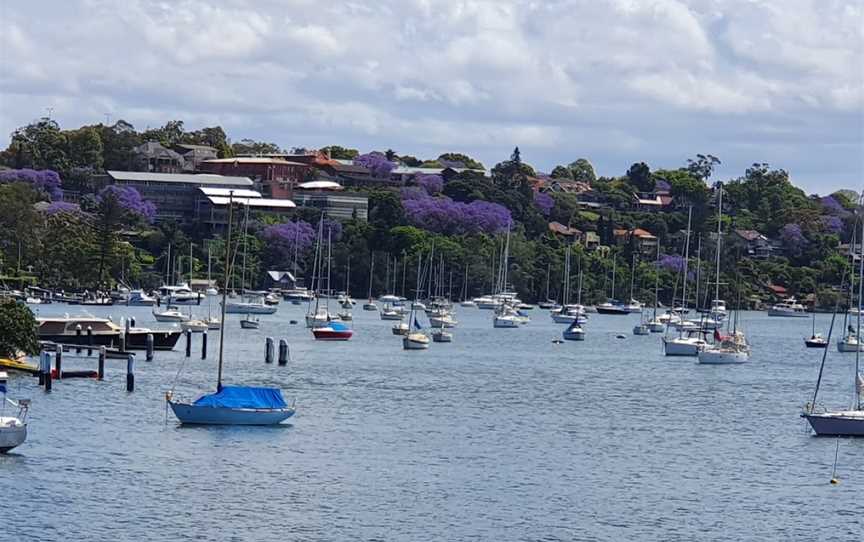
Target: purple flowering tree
<point>432,184</point>
<point>671,262</point>
<point>832,224</point>
<point>443,215</point>
<point>375,162</point>
<point>57,207</point>
<point>290,237</point>
<point>793,237</point>
<point>832,206</point>
<point>128,200</point>
<point>544,202</point>
<point>45,180</point>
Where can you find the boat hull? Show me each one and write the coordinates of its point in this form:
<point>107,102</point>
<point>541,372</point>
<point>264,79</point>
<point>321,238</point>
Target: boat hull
<point>574,335</point>
<point>787,314</point>
<point>137,340</point>
<point>612,310</point>
<point>837,424</point>
<point>332,335</point>
<point>499,322</point>
<point>189,414</point>
<point>13,433</point>
<point>415,343</point>
<point>238,308</point>
<point>682,348</point>
<point>722,357</point>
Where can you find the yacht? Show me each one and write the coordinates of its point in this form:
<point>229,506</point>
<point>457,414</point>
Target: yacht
<point>170,314</point>
<point>93,331</point>
<point>789,308</point>
<point>180,294</point>
<point>138,298</point>
<point>13,429</point>
<point>729,349</point>
<point>683,346</point>
<point>574,332</point>
<point>250,305</point>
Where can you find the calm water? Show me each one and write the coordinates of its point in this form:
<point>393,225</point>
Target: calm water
<point>501,435</point>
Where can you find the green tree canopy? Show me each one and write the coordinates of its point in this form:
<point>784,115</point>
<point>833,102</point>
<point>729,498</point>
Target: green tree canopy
<point>17,330</point>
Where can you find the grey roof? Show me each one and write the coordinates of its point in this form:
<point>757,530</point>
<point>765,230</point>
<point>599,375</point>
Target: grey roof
<point>191,147</point>
<point>201,178</point>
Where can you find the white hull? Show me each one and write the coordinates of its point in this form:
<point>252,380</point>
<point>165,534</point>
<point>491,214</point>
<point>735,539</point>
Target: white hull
<point>574,334</point>
<point>442,321</point>
<point>468,304</point>
<point>415,342</point>
<point>390,315</point>
<point>400,329</point>
<point>835,424</point>
<point>788,314</point>
<point>318,320</point>
<point>848,344</point>
<point>205,415</point>
<point>196,326</point>
<point>13,433</point>
<point>442,337</point>
<point>505,322</point>
<point>250,308</point>
<point>175,318</point>
<point>711,356</point>
<point>370,307</point>
<point>656,327</point>
<point>641,329</point>
<point>683,347</point>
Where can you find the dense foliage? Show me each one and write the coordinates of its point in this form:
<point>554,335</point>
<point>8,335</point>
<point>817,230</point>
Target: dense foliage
<point>17,330</point>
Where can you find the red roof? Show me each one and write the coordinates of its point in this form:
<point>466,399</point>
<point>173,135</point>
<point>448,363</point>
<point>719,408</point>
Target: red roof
<point>777,289</point>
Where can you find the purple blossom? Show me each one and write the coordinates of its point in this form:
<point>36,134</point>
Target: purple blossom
<point>443,215</point>
<point>792,236</point>
<point>832,206</point>
<point>130,200</point>
<point>57,207</point>
<point>671,262</point>
<point>44,180</point>
<point>544,202</point>
<point>433,184</point>
<point>285,238</point>
<point>375,162</point>
<point>831,224</point>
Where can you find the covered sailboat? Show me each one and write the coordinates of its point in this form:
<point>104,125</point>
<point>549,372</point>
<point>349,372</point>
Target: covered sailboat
<point>232,405</point>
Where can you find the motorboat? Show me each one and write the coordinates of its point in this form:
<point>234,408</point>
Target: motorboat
<point>93,331</point>
<point>816,341</point>
<point>415,341</point>
<point>334,331</point>
<point>250,322</point>
<point>252,305</point>
<point>298,295</point>
<point>442,320</point>
<point>548,304</point>
<point>213,323</point>
<point>487,303</point>
<point>634,306</point>
<point>211,291</point>
<point>138,298</point>
<point>789,308</point>
<point>271,299</point>
<point>442,336</point>
<point>468,304</point>
<point>418,306</point>
<point>683,346</point>
<point>181,294</point>
<point>850,343</point>
<point>170,314</point>
<point>345,315</point>
<point>574,332</point>
<point>641,329</point>
<point>370,306</point>
<point>506,320</point>
<point>195,326</point>
<point>613,307</point>
<point>390,313</point>
<point>13,429</point>
<point>656,326</point>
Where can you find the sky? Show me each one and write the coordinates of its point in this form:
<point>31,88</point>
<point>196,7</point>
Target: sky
<point>614,81</point>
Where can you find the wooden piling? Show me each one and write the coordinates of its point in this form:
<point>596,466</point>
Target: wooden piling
<point>148,345</point>
<point>58,362</point>
<point>122,339</point>
<point>89,341</point>
<point>78,338</point>
<point>204,344</point>
<point>130,373</point>
<point>42,368</point>
<point>188,343</point>
<point>268,350</point>
<point>47,371</point>
<point>283,352</point>
<point>100,369</point>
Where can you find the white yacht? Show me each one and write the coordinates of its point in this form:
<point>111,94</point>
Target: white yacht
<point>789,308</point>
<point>13,429</point>
<point>180,294</point>
<point>683,346</point>
<point>138,298</point>
<point>170,314</point>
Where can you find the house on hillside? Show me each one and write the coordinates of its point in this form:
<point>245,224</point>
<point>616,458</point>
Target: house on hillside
<point>757,245</point>
<point>658,200</point>
<point>565,232</point>
<point>643,241</point>
<point>152,157</point>
<point>193,155</point>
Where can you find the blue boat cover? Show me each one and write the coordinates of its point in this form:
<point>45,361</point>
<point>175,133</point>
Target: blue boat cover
<point>244,397</point>
<point>338,326</point>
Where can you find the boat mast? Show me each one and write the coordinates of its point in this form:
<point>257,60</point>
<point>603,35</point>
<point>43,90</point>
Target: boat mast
<point>404,273</point>
<point>225,289</point>
<point>614,262</point>
<point>632,275</point>
<point>698,269</point>
<point>245,230</point>
<point>719,225</point>
<point>855,386</point>
<point>548,271</point>
<point>329,290</point>
<point>656,281</point>
<point>190,264</point>
<point>168,267</point>
<point>686,262</point>
<point>371,273</point>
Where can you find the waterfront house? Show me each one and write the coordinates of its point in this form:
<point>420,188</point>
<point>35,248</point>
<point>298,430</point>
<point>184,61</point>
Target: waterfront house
<point>276,176</point>
<point>155,158</point>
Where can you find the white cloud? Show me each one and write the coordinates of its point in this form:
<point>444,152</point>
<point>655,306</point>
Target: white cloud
<point>623,80</point>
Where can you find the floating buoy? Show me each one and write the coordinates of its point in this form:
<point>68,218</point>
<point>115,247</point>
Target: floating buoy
<point>620,336</point>
<point>293,322</point>
<point>834,481</point>
<point>557,341</point>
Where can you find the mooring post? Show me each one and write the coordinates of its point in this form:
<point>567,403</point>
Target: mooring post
<point>89,341</point>
<point>283,352</point>
<point>78,338</point>
<point>122,339</point>
<point>42,368</point>
<point>100,369</point>
<point>58,361</point>
<point>126,334</point>
<point>133,321</point>
<point>204,344</point>
<point>130,372</point>
<point>268,350</point>
<point>47,371</point>
<point>148,345</point>
<point>188,343</point>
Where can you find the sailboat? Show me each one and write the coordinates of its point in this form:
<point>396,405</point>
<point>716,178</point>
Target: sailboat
<point>731,348</point>
<point>506,316</point>
<point>211,290</point>
<point>816,340</point>
<point>370,305</point>
<point>613,306</point>
<point>692,344</point>
<point>333,330</point>
<point>849,422</point>
<point>316,314</point>
<point>232,405</point>
<point>655,325</point>
<point>13,429</point>
<point>414,339</point>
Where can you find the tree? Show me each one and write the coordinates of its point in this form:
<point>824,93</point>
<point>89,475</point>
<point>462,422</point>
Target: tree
<point>512,173</point>
<point>40,145</point>
<point>85,148</point>
<point>376,163</point>
<point>703,166</point>
<point>464,159</point>
<point>117,144</point>
<point>581,170</point>
<point>562,172</point>
<point>639,176</point>
<point>168,135</point>
<point>17,330</point>
<point>250,146</point>
<point>410,161</point>
<point>212,136</point>
<point>391,155</point>
<point>117,206</point>
<point>340,153</point>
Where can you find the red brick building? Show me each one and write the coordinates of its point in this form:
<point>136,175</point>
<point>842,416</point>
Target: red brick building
<point>276,176</point>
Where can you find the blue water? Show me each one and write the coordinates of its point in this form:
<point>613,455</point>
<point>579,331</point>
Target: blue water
<point>501,435</point>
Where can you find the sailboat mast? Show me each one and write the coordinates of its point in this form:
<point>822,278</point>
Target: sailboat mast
<point>329,291</point>
<point>168,267</point>
<point>698,269</point>
<point>371,273</point>
<point>245,229</point>
<point>686,262</point>
<point>225,287</point>
<point>855,385</point>
<point>719,225</point>
<point>190,264</point>
<point>657,281</point>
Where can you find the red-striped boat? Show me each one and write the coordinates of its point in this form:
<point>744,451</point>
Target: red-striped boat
<point>333,331</point>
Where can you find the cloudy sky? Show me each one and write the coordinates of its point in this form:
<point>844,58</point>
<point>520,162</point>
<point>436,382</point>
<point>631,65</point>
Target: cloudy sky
<point>616,81</point>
